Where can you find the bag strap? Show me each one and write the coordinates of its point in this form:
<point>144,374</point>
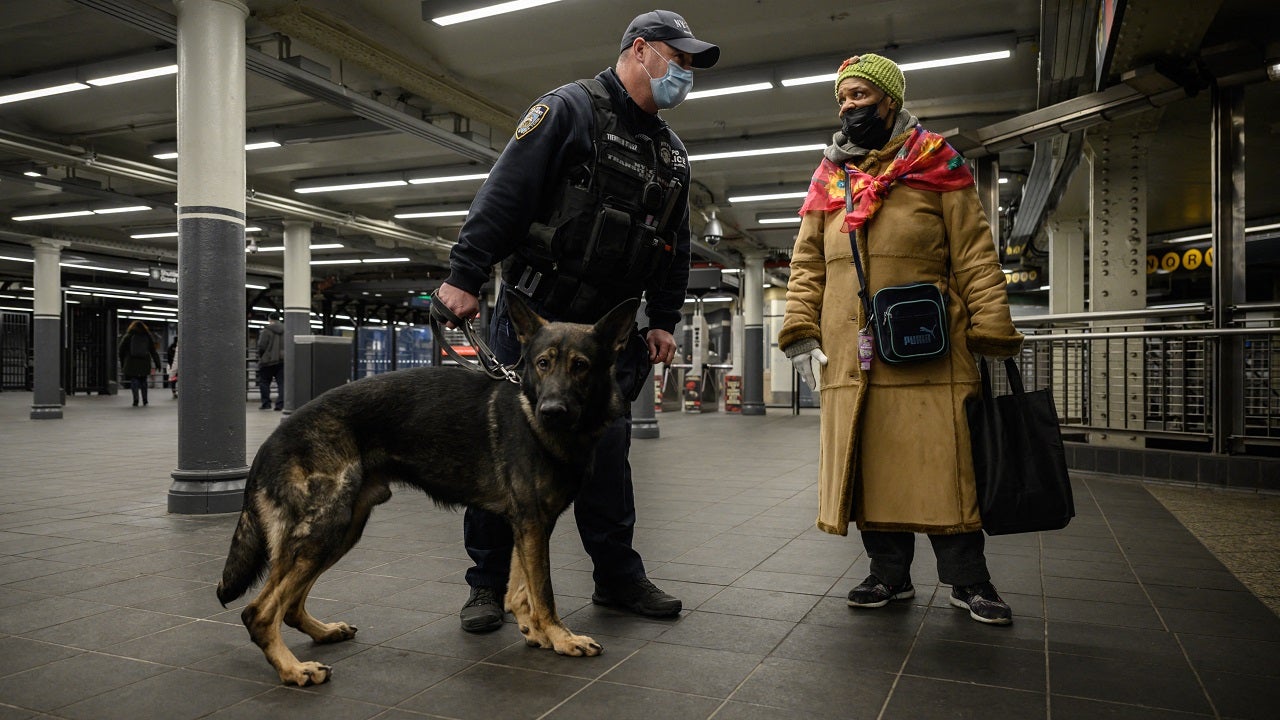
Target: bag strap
<point>1015,376</point>
<point>857,255</point>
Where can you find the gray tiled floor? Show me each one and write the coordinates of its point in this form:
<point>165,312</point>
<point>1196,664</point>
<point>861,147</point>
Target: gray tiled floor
<point>107,606</point>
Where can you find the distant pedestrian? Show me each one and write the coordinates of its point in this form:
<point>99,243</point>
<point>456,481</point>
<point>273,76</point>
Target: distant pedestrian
<point>171,357</point>
<point>137,352</point>
<point>271,362</point>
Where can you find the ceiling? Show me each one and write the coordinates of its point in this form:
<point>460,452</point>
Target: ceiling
<point>381,66</point>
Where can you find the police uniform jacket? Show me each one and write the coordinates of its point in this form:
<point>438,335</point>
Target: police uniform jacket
<point>556,136</point>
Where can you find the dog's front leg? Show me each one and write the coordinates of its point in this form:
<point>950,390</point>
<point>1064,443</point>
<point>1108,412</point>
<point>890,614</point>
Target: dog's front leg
<point>543,626</point>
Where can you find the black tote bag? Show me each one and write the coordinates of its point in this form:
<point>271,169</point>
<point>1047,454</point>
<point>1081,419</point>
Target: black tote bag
<point>1018,461</point>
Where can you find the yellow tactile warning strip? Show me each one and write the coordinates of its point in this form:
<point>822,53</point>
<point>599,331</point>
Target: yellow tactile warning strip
<point>1241,528</point>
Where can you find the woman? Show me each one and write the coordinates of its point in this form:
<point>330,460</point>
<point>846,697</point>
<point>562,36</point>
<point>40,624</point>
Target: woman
<point>138,355</point>
<point>895,454</point>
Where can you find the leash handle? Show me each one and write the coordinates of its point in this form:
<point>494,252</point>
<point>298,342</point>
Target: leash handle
<point>488,362</point>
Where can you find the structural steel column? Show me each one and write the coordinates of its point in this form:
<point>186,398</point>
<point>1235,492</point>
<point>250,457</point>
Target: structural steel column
<point>1228,263</point>
<point>1117,273</point>
<point>1066,265</point>
<point>988,181</point>
<point>753,334</point>
<point>297,303</point>
<point>211,217</point>
<point>46,401</point>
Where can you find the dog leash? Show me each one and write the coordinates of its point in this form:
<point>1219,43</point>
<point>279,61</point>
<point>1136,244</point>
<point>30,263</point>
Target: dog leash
<point>488,362</point>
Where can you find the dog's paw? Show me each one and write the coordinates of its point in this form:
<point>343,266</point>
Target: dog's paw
<point>337,632</point>
<point>307,673</point>
<point>579,646</point>
<point>534,639</point>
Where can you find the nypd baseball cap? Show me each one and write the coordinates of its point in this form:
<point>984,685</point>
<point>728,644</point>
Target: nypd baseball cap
<point>671,29</point>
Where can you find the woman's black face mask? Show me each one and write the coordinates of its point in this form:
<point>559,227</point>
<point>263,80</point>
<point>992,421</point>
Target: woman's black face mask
<point>865,128</point>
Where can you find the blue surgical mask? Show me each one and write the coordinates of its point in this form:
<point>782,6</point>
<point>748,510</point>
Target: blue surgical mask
<point>673,87</point>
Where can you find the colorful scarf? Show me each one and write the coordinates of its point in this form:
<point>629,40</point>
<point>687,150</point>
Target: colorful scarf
<point>925,162</point>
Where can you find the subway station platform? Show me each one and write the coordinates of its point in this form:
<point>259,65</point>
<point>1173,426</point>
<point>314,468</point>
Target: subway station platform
<point>107,607</point>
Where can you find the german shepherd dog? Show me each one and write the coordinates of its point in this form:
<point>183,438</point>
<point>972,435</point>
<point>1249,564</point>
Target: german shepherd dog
<point>520,451</point>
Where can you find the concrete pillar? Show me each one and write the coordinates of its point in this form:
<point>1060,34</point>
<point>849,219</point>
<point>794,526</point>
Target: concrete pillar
<point>211,469</point>
<point>46,401</point>
<point>297,303</point>
<point>753,334</point>
<point>1227,174</point>
<point>1117,273</point>
<point>1066,265</point>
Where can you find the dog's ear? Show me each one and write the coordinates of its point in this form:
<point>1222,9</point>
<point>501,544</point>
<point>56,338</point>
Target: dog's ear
<point>527,322</point>
<point>615,327</point>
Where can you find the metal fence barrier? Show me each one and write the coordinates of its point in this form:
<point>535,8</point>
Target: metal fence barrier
<point>1153,372</point>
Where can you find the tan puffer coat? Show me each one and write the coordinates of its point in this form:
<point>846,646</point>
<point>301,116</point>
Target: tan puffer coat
<point>894,443</point>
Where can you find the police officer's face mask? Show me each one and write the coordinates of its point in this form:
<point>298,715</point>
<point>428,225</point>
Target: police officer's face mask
<point>673,87</point>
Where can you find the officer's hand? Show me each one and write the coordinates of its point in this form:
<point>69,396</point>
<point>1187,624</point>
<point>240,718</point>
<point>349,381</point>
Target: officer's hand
<point>662,347</point>
<point>804,365</point>
<point>460,302</point>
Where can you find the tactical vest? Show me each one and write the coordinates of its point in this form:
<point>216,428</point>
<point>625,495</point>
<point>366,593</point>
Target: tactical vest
<point>612,224</point>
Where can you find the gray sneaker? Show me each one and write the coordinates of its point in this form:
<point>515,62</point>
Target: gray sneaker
<point>483,611</point>
<point>983,603</point>
<point>874,593</point>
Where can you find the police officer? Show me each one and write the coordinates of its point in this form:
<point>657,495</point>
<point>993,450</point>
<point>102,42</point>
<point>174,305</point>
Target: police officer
<point>588,206</point>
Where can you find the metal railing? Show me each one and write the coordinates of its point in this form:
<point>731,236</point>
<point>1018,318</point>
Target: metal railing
<point>1154,373</point>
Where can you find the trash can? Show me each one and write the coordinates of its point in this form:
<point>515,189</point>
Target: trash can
<point>324,362</point>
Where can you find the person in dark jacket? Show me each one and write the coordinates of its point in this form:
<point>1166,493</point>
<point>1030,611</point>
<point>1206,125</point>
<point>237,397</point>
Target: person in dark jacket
<point>577,233</point>
<point>137,352</point>
<point>271,362</point>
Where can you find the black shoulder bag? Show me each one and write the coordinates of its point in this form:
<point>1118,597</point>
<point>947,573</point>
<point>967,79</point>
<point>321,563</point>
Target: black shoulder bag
<point>908,322</point>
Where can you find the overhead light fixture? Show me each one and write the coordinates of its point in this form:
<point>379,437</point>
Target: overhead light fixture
<point>757,151</point>
<point>768,196</point>
<point>432,179</point>
<point>349,186</point>
<point>42,92</point>
<point>261,145</point>
<point>486,11</point>
<point>135,75</point>
<point>124,209</point>
<point>432,211</point>
<point>51,215</point>
<point>360,261</point>
<point>1209,235</point>
<point>107,72</point>
<point>159,234</point>
<point>169,150</point>
<point>933,55</point>
<point>17,259</point>
<point>315,246</point>
<point>731,90</point>
<point>1004,181</point>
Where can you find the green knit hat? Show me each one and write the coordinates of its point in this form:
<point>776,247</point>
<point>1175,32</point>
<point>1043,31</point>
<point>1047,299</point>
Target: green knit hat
<point>880,70</point>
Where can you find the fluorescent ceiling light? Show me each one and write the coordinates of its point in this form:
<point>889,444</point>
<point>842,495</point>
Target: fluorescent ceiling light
<point>779,220</point>
<point>317,246</point>
<point>131,76</point>
<point>253,229</point>
<point>431,214</point>
<point>907,67</point>
<point>172,154</point>
<point>757,151</point>
<point>489,11</point>
<point>351,261</point>
<point>96,288</point>
<point>1209,235</point>
<point>255,287</point>
<point>446,178</point>
<point>732,90</point>
<point>1004,180</point>
<point>51,215</point>
<point>17,259</point>
<point>261,145</point>
<point>350,186</point>
<point>166,155</point>
<point>385,260</point>
<point>43,92</point>
<point>359,261</point>
<point>126,209</point>
<point>79,266</point>
<point>144,236</point>
<point>17,309</point>
<point>768,196</point>
<point>33,173</point>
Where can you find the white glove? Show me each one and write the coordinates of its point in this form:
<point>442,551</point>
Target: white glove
<point>804,366</point>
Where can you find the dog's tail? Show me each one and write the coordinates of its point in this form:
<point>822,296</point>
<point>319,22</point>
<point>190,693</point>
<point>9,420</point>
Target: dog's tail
<point>247,559</point>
